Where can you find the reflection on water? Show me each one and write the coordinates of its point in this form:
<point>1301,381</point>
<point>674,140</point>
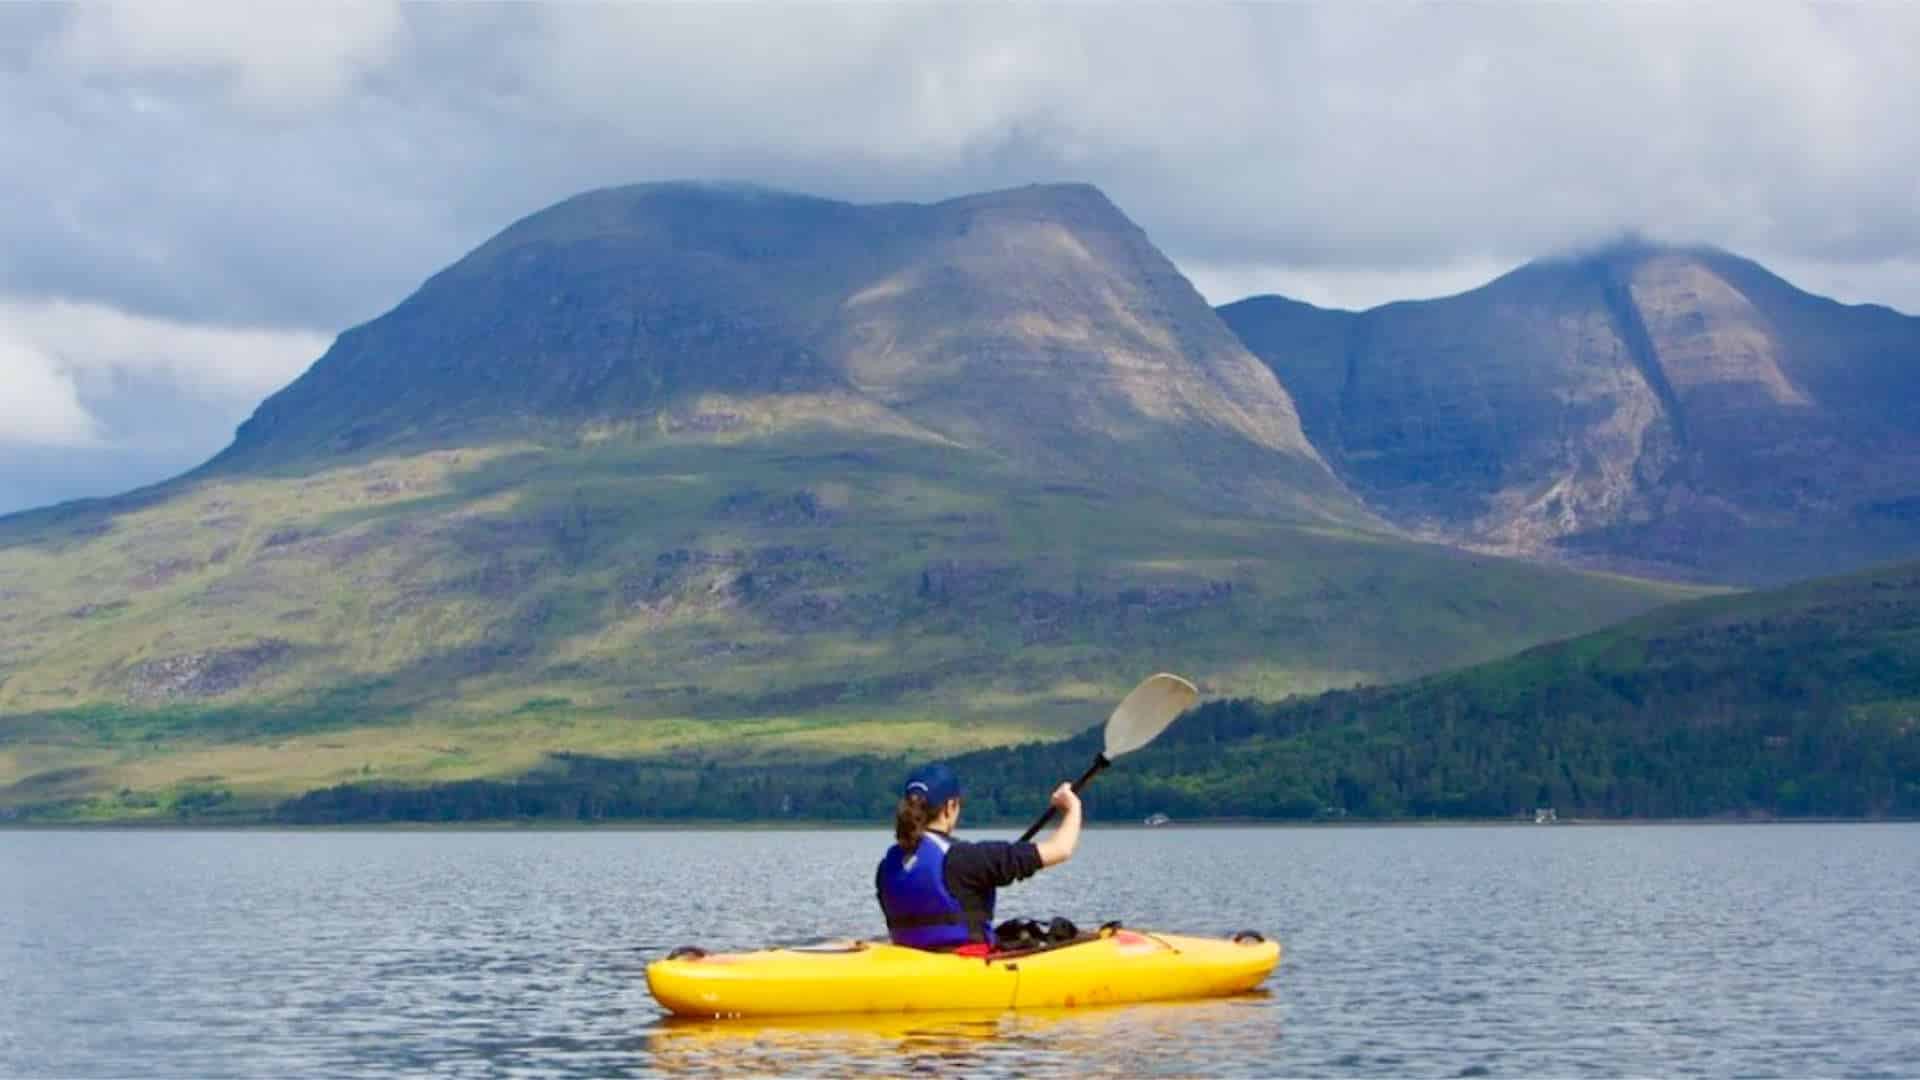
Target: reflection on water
<point>1790,950</point>
<point>1114,1041</point>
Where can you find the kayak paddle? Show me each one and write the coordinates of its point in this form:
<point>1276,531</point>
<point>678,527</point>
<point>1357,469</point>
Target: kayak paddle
<point>1140,717</point>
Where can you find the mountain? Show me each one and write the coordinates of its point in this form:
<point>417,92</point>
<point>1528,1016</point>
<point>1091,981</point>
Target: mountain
<point>1681,412</point>
<point>1796,702</point>
<point>736,474</point>
<point>1037,324</point>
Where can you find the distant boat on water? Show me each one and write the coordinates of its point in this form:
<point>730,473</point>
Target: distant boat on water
<point>1158,819</point>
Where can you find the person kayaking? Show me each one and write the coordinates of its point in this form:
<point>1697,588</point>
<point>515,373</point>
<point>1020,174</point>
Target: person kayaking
<point>937,892</point>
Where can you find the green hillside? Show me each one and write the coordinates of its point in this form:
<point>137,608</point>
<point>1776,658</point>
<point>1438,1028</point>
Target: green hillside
<point>734,474</point>
<point>1798,702</point>
<point>1803,701</point>
<point>465,613</point>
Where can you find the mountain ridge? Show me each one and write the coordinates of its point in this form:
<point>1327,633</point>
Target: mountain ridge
<point>735,475</point>
<point>1037,322</point>
<point>729,474</point>
<point>1675,410</point>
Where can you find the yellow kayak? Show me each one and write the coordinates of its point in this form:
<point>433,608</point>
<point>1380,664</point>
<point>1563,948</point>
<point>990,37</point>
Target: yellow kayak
<point>863,977</point>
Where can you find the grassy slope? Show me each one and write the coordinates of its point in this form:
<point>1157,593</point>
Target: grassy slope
<point>1797,702</point>
<point>463,614</point>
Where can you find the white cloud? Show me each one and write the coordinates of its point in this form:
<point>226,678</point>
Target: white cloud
<point>1360,135</point>
<point>1333,140</point>
<point>213,165</point>
<point>267,54</point>
<point>94,340</point>
<point>63,365</point>
<point>1893,283</point>
<point>39,403</point>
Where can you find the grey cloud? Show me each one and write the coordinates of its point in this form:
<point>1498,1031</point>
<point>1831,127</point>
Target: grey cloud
<point>203,165</point>
<point>1354,137</point>
<point>159,431</point>
<point>96,399</point>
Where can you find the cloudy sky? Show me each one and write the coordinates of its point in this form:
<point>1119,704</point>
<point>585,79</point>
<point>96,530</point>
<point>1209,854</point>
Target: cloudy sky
<point>197,198</point>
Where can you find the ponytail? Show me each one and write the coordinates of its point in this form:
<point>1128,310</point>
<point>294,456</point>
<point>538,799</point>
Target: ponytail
<point>910,821</point>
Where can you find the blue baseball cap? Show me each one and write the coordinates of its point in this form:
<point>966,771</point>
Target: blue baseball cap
<point>936,783</point>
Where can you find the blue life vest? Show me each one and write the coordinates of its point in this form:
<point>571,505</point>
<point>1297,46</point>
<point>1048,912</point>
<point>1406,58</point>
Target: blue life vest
<point>920,912</point>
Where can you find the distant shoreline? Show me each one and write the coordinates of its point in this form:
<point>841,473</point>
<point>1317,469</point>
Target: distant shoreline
<point>849,826</point>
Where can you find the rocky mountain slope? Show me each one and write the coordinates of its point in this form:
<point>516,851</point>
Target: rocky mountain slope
<point>1681,412</point>
<point>1038,324</point>
<point>728,473</point>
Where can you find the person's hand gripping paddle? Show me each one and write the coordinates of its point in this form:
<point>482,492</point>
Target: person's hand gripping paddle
<point>1141,716</point>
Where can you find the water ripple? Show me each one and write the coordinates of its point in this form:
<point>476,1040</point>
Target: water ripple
<point>1778,951</point>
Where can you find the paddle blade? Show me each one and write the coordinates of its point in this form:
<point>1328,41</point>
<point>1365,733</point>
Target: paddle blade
<point>1146,712</point>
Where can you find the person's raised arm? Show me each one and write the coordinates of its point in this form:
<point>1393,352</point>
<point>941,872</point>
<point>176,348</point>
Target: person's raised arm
<point>1058,848</point>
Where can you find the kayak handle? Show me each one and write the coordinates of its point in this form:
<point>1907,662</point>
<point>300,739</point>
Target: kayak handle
<point>1099,762</point>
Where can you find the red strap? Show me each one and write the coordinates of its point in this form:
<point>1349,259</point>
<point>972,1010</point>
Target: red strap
<point>978,948</point>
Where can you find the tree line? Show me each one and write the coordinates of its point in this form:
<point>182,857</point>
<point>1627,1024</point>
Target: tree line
<point>1450,753</point>
<point>1800,703</point>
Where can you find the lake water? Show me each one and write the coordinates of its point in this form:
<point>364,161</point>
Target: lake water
<point>1576,950</point>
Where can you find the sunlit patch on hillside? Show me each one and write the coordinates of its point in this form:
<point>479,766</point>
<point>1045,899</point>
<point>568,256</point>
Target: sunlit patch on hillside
<point>462,614</point>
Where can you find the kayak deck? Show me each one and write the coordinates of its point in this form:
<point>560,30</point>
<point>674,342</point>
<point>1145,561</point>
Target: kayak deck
<point>864,977</point>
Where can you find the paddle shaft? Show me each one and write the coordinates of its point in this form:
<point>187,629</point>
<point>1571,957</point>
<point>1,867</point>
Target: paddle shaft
<point>1099,762</point>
